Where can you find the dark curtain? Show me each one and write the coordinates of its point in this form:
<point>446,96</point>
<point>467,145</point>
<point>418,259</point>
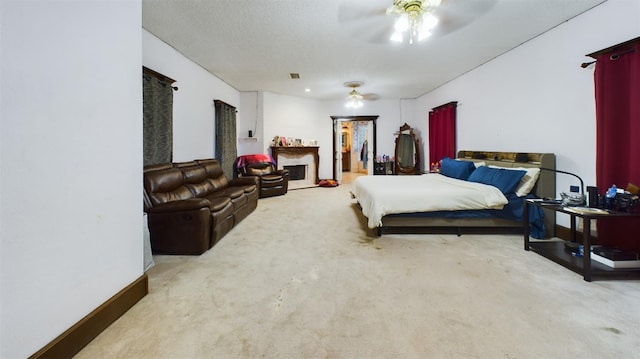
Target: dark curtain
<point>157,112</point>
<point>442,132</point>
<point>226,149</point>
<point>617,92</point>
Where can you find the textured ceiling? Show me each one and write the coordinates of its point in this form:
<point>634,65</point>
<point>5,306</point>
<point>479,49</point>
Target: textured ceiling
<point>253,45</point>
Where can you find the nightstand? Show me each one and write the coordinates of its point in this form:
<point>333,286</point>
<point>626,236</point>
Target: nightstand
<point>555,249</point>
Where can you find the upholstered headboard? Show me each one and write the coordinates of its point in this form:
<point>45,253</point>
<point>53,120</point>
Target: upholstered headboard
<point>546,185</point>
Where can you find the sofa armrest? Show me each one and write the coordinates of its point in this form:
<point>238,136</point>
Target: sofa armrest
<point>283,173</point>
<point>245,181</point>
<point>180,206</point>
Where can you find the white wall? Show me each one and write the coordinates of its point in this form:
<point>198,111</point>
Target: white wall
<point>193,109</point>
<point>307,119</point>
<point>537,98</point>
<point>297,117</point>
<point>249,118</point>
<point>71,158</point>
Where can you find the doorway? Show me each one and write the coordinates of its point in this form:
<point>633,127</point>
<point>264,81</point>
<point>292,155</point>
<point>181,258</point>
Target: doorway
<point>354,146</point>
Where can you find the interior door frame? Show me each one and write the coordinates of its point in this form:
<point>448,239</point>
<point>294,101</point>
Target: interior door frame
<point>337,148</point>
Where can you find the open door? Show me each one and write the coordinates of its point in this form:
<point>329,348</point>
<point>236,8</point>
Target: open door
<point>368,164</point>
<point>370,124</point>
<point>337,151</point>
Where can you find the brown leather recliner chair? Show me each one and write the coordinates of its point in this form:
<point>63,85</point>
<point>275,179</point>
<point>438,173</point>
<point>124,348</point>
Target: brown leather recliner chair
<point>273,182</point>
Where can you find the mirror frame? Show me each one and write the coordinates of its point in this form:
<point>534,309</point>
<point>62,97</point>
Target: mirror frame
<point>416,146</point>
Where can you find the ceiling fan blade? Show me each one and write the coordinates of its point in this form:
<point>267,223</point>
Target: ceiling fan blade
<point>353,10</point>
<point>456,14</point>
<point>370,96</point>
<point>366,19</point>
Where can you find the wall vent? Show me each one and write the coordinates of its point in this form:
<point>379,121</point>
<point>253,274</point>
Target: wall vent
<point>294,75</point>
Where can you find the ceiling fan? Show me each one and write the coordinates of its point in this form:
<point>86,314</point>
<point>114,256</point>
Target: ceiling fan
<point>355,98</point>
<point>370,20</point>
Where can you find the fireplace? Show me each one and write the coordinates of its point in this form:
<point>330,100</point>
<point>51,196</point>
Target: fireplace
<point>302,163</point>
<point>296,172</point>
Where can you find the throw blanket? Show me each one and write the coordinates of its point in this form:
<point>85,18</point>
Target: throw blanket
<point>382,195</point>
<point>246,159</point>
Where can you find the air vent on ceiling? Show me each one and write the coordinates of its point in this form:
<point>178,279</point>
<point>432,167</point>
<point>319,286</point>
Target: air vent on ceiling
<point>294,75</point>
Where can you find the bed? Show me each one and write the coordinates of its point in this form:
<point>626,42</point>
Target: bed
<point>452,203</point>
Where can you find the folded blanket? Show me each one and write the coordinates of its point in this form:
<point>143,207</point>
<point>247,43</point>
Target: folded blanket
<point>247,159</point>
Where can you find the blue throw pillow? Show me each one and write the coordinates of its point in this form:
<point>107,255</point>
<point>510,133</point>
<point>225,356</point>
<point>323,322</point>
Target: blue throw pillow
<point>505,180</point>
<point>456,169</point>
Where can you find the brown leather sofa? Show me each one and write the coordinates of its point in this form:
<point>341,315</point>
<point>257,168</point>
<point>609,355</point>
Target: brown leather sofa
<point>273,182</point>
<point>190,206</point>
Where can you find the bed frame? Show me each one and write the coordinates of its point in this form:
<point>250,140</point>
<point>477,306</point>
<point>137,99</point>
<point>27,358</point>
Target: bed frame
<point>545,188</point>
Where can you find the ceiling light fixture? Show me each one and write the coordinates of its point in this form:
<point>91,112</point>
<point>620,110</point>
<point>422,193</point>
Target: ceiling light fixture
<point>354,99</point>
<point>416,18</point>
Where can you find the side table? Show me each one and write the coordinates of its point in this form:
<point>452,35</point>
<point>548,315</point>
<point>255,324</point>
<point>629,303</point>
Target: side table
<point>555,250</point>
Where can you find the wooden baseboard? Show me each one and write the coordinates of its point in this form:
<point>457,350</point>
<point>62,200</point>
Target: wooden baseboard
<point>79,335</point>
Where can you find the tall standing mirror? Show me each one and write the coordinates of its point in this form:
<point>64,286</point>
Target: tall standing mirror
<point>407,154</point>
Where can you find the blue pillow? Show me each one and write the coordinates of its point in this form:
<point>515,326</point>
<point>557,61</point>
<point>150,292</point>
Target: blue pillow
<point>505,180</point>
<point>456,169</point>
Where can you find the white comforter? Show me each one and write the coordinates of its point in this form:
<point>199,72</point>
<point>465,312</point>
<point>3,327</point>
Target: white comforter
<point>382,195</point>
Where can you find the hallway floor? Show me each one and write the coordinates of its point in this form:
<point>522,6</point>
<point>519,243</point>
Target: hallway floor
<point>348,177</point>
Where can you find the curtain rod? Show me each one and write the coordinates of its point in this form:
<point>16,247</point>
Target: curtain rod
<point>614,47</point>
<point>625,48</point>
<point>159,76</point>
<point>612,57</point>
<point>455,103</point>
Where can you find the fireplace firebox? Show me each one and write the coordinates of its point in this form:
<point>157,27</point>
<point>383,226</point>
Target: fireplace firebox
<point>296,172</point>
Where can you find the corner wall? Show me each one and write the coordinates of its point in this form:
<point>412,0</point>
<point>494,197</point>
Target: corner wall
<point>193,109</point>
<point>70,164</point>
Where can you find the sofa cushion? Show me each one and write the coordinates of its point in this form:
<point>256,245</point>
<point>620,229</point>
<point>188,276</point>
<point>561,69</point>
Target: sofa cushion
<point>249,188</point>
<point>195,179</point>
<point>231,192</point>
<point>185,164</point>
<point>235,194</point>
<point>166,186</point>
<point>272,178</point>
<point>218,203</point>
<point>258,169</point>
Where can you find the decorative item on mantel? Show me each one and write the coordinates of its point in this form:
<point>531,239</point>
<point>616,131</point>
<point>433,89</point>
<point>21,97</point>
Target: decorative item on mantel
<point>281,141</point>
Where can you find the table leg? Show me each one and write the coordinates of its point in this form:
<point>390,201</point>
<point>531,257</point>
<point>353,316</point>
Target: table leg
<point>586,245</point>
<point>525,220</point>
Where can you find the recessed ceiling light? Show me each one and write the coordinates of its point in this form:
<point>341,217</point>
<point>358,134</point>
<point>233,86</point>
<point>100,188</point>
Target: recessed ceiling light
<point>307,90</point>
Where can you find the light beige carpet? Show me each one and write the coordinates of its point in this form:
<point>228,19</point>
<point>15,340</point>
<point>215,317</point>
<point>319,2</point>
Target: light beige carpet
<point>301,277</point>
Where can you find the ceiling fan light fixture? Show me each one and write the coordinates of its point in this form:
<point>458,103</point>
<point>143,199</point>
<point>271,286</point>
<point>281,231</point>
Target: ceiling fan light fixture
<point>354,98</point>
<point>423,35</point>
<point>354,104</point>
<point>402,24</point>
<point>429,21</point>
<point>415,17</point>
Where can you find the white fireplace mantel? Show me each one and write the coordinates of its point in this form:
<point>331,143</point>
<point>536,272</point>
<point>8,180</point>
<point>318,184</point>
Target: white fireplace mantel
<point>296,155</point>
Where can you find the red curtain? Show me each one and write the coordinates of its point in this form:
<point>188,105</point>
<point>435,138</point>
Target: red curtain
<point>617,92</point>
<point>442,132</point>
